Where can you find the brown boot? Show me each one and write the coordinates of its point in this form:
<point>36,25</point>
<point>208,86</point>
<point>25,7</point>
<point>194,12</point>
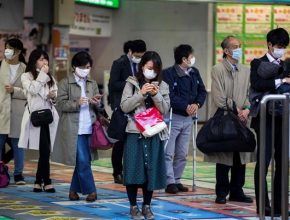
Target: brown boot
<point>135,213</point>
<point>73,196</point>
<point>91,197</point>
<point>146,211</point>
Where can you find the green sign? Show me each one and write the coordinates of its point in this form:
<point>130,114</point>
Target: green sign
<point>103,3</point>
<point>250,23</point>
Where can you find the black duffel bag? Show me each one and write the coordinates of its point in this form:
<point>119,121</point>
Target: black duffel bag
<point>224,132</point>
<point>118,124</point>
<point>41,117</point>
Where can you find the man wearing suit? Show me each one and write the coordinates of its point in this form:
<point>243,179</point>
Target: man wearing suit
<point>277,41</point>
<point>122,68</point>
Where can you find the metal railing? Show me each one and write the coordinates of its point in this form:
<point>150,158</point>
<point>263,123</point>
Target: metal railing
<point>285,154</point>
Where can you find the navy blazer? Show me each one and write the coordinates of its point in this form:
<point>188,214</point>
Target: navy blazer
<point>185,89</point>
<point>120,71</point>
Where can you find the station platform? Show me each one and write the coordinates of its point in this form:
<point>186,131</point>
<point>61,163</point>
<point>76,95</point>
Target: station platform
<point>19,202</point>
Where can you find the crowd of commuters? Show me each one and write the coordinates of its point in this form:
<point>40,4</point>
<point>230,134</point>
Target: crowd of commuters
<point>138,82</point>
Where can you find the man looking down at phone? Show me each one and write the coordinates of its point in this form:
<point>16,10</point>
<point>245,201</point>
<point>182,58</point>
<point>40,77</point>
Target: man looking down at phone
<point>187,95</point>
<point>78,96</point>
<point>122,68</point>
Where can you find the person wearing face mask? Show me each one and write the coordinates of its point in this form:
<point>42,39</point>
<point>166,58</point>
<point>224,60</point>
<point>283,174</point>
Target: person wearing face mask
<point>41,90</point>
<point>229,88</point>
<point>277,41</point>
<point>77,101</point>
<point>187,95</point>
<point>122,68</point>
<point>144,165</point>
<point>12,100</point>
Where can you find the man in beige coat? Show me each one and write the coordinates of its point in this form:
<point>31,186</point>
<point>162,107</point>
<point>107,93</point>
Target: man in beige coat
<point>230,84</point>
<point>12,101</point>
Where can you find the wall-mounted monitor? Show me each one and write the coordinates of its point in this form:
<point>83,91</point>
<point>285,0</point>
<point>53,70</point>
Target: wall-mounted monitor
<point>102,3</point>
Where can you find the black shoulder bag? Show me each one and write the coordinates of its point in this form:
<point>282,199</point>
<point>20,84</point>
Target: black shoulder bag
<point>224,132</point>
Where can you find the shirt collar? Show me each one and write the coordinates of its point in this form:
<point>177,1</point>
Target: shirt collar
<point>234,66</point>
<point>272,59</point>
<point>181,71</point>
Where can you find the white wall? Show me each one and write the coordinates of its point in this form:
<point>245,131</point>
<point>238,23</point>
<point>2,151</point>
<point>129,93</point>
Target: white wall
<point>162,25</point>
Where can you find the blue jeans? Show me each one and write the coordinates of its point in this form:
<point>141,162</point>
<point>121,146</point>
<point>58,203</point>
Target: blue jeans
<point>18,153</point>
<point>83,180</point>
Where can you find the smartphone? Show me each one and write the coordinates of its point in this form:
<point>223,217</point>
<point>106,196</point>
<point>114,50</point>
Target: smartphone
<point>155,83</point>
<point>98,96</point>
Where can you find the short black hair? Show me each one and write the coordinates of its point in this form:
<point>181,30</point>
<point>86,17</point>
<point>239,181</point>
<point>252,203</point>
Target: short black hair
<point>278,36</point>
<point>127,45</point>
<point>138,46</point>
<point>183,50</point>
<point>81,59</point>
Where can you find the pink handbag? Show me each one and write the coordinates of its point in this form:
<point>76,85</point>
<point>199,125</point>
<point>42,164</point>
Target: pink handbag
<point>99,140</point>
<point>4,175</point>
<point>150,122</point>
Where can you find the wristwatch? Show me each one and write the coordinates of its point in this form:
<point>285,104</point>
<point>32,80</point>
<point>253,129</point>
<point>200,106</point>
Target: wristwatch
<point>284,80</point>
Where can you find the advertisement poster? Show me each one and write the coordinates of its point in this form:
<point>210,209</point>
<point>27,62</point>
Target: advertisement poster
<point>92,22</point>
<point>258,19</point>
<point>250,24</point>
<point>229,19</point>
<point>253,52</point>
<point>282,17</point>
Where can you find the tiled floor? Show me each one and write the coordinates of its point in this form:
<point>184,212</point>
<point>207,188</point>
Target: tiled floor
<point>19,202</point>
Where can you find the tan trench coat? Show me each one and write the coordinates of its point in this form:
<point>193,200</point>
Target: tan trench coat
<point>12,105</point>
<point>69,93</point>
<point>36,92</point>
<point>233,85</point>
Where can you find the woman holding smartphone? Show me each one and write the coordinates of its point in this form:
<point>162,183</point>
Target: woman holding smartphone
<point>144,163</point>
<point>78,97</point>
<point>40,89</point>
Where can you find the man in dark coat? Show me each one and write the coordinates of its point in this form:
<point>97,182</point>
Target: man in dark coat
<point>122,68</point>
<point>277,41</point>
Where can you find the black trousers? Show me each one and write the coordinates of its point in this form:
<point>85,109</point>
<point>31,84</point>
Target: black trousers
<point>278,163</point>
<point>43,169</point>
<point>132,191</point>
<point>235,185</point>
<point>117,158</point>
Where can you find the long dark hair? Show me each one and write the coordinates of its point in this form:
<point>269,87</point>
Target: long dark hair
<point>17,44</point>
<point>157,66</point>
<point>31,66</point>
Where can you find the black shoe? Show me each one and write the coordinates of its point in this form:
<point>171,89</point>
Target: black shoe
<point>48,188</point>
<point>19,180</point>
<point>118,179</point>
<point>242,198</point>
<point>220,200</point>
<point>181,188</point>
<point>171,188</point>
<point>37,188</point>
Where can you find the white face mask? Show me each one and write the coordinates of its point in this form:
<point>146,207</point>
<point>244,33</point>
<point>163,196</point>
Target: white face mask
<point>82,72</point>
<point>135,59</point>
<point>8,53</point>
<point>192,62</point>
<point>149,74</point>
<point>278,52</point>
